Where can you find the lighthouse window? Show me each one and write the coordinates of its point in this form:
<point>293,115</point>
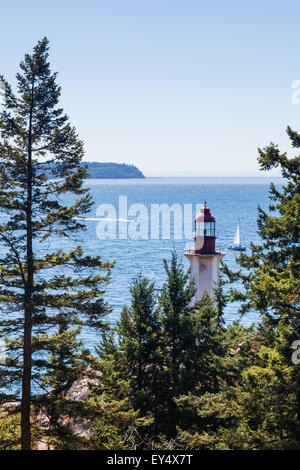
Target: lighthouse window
<point>205,229</point>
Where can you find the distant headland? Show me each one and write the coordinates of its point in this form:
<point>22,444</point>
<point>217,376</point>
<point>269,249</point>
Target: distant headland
<point>112,170</point>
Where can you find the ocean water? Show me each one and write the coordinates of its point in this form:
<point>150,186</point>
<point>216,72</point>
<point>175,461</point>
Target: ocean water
<point>229,199</point>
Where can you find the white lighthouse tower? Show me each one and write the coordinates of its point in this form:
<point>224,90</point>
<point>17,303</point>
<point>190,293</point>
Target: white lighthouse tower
<point>203,255</point>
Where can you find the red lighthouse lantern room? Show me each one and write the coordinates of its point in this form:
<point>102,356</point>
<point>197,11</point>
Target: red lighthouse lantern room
<point>205,232</point>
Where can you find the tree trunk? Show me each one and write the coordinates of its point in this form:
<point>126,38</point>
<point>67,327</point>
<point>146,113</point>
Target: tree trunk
<point>174,378</point>
<point>26,383</point>
<point>28,305</point>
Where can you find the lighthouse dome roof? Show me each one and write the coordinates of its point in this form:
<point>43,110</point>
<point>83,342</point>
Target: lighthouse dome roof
<point>204,215</point>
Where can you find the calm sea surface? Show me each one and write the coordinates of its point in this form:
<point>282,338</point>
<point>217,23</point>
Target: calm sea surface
<point>228,198</point>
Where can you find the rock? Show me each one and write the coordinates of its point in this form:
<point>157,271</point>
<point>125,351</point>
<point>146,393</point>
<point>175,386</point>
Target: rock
<point>77,390</point>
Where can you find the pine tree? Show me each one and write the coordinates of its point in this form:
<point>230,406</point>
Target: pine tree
<point>221,300</point>
<point>270,393</point>
<point>213,419</point>
<point>271,272</point>
<point>273,284</point>
<point>257,412</point>
<point>163,356</point>
<point>177,334</point>
<point>137,353</point>
<point>207,347</point>
<point>9,431</point>
<point>115,422</point>
<point>192,347</point>
<point>38,282</point>
<point>139,331</point>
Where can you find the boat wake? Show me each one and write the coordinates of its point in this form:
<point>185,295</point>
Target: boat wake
<point>105,219</point>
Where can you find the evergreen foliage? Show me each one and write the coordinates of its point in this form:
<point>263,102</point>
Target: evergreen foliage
<point>44,291</point>
<point>169,375</point>
<point>272,270</point>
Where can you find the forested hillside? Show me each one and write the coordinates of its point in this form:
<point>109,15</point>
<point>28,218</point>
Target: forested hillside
<point>113,170</point>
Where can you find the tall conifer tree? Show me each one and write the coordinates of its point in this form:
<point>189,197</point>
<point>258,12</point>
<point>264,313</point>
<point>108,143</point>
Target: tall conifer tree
<point>271,278</point>
<point>177,332</point>
<point>139,331</point>
<point>39,283</point>
<point>272,269</point>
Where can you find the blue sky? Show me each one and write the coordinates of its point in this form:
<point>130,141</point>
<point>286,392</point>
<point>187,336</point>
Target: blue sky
<point>174,87</point>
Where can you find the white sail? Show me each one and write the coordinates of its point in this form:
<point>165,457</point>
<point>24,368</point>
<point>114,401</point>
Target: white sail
<point>237,238</point>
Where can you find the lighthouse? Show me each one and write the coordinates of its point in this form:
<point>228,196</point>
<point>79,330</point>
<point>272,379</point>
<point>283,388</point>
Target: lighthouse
<point>203,255</point>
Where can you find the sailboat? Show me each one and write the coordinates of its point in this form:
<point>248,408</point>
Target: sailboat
<point>237,240</point>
